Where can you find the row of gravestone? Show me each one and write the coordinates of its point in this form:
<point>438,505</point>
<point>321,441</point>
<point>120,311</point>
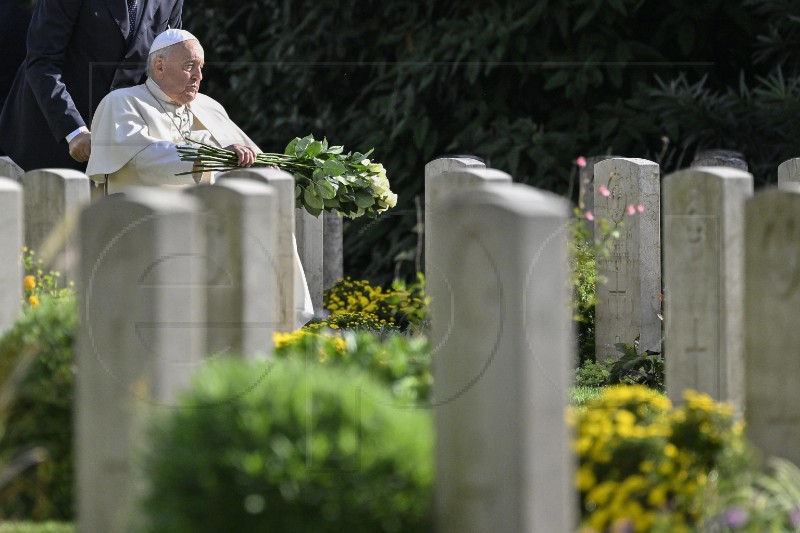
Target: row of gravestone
<point>163,280</point>
<point>47,214</point>
<point>731,274</point>
<point>166,277</point>
<point>497,275</point>
<point>497,279</point>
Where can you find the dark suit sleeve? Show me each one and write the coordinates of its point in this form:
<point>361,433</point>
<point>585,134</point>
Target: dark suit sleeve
<point>175,18</point>
<point>49,36</point>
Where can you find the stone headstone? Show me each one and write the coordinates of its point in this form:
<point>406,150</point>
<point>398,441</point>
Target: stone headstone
<point>283,184</point>
<point>789,174</point>
<point>141,336</point>
<point>333,249</point>
<point>502,359</point>
<point>309,232</point>
<point>704,282</point>
<point>53,198</point>
<point>243,301</point>
<point>628,303</point>
<point>772,329</point>
<point>719,158</point>
<point>438,189</point>
<point>9,169</point>
<point>11,271</point>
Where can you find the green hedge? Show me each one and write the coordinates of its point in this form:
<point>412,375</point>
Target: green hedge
<point>41,527</point>
<point>288,446</point>
<point>41,413</point>
<point>528,86</point>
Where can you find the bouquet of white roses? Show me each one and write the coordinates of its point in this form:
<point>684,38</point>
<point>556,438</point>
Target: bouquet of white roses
<point>326,179</point>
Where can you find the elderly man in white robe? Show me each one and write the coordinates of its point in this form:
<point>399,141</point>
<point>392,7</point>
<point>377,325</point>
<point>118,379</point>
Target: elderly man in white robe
<point>136,131</point>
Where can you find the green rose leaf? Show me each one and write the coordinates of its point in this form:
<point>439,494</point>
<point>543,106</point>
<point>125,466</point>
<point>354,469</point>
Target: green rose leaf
<point>314,211</point>
<point>334,167</point>
<point>324,190</point>
<point>290,148</point>
<point>302,145</point>
<point>326,177</point>
<point>314,149</point>
<point>364,199</point>
<point>311,200</point>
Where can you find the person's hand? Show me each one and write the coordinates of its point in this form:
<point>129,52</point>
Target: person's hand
<point>80,147</point>
<point>247,155</point>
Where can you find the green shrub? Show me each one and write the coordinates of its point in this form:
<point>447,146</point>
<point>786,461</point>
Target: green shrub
<point>645,368</point>
<point>401,306</point>
<point>303,447</point>
<point>352,322</point>
<point>527,86</point>
<point>38,284</point>
<point>41,413</point>
<point>401,362</point>
<point>583,251</point>
<point>580,396</point>
<point>34,527</point>
<point>592,374</point>
<point>768,501</point>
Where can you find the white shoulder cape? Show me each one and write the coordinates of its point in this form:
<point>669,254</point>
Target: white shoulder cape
<point>128,120</point>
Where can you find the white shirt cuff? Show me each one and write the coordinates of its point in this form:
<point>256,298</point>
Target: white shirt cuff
<point>76,132</point>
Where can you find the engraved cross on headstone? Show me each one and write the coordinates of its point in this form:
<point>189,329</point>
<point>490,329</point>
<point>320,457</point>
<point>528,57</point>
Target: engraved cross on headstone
<point>616,295</point>
<point>695,350</point>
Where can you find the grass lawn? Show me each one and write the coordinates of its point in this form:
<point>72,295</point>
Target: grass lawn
<point>37,527</point>
<point>580,396</point>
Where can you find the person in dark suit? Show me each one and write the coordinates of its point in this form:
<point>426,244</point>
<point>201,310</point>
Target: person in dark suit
<point>78,51</point>
<point>14,18</point>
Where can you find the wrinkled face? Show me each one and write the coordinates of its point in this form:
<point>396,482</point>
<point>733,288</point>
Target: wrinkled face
<point>179,72</point>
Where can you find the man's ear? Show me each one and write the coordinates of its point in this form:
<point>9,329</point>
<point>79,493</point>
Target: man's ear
<point>158,67</point>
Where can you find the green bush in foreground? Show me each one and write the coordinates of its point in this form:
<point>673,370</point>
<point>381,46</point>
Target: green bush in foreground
<point>41,412</point>
<point>402,362</point>
<point>288,446</point>
<point>41,527</point>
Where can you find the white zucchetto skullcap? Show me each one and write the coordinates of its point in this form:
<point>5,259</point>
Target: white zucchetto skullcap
<point>170,37</point>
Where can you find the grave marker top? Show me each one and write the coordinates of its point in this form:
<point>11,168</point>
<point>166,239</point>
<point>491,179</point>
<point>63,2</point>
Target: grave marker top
<point>11,243</point>
<point>627,192</point>
<point>244,300</point>
<point>789,174</point>
<point>141,336</point>
<point>703,277</point>
<point>9,169</point>
<point>772,329</point>
<point>50,196</point>
<point>501,330</point>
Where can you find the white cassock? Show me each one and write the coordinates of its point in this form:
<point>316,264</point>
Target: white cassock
<point>134,136</point>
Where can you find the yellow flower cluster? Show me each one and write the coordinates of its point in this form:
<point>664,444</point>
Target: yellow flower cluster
<point>37,283</point>
<point>319,343</point>
<point>644,464</point>
<point>379,307</point>
<point>281,339</point>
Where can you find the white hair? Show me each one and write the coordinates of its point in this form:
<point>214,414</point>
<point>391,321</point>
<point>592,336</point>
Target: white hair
<point>151,59</point>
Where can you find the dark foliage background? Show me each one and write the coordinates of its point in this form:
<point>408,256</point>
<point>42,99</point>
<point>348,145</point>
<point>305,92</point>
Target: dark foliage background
<point>528,86</point>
